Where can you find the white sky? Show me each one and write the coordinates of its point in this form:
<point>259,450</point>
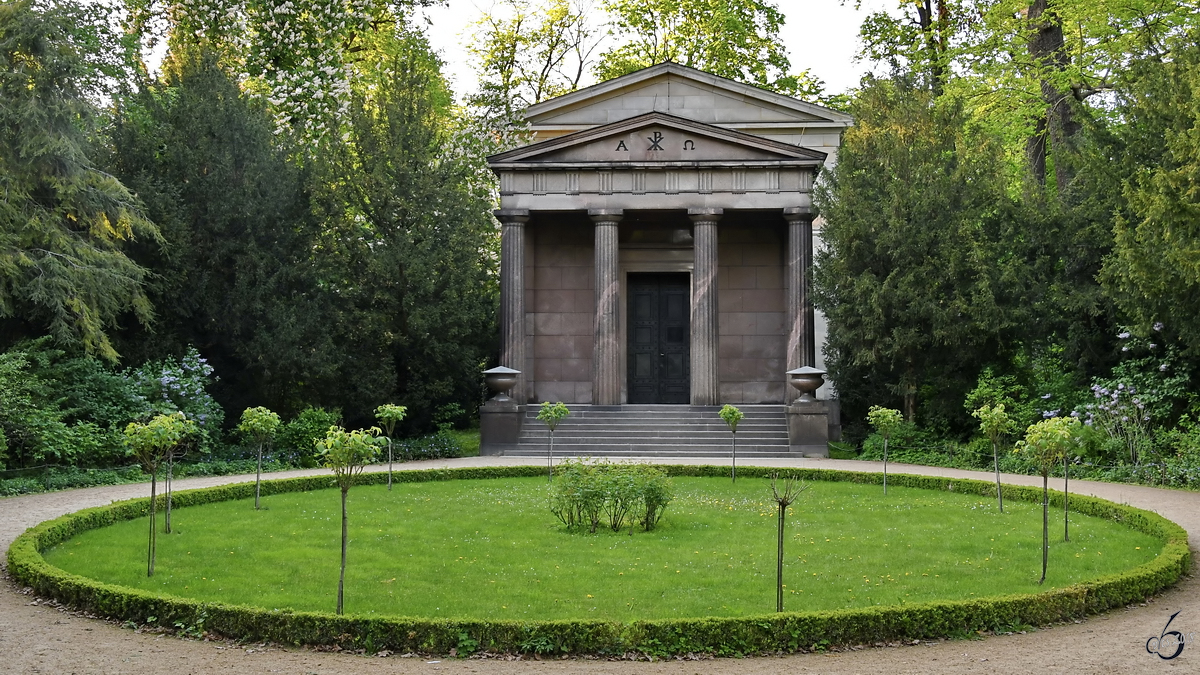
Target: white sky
<point>821,35</point>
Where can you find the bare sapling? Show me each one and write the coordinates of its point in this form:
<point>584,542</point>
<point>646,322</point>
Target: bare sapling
<point>885,421</point>
<point>389,415</point>
<point>792,487</point>
<point>259,424</point>
<point>551,414</point>
<point>347,453</point>
<point>732,416</point>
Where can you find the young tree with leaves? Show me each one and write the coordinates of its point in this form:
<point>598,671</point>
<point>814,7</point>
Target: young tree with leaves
<point>389,415</point>
<point>994,422</point>
<point>149,444</point>
<point>1046,443</point>
<point>551,414</point>
<point>885,421</point>
<point>260,424</point>
<point>732,416</point>
<point>792,487</point>
<point>347,453</point>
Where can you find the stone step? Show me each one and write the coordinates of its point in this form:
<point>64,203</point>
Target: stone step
<point>643,451</point>
<point>658,430</point>
<point>654,431</point>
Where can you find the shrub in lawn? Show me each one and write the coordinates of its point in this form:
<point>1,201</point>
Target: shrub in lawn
<point>260,424</point>
<point>1046,443</point>
<point>994,422</point>
<point>732,416</point>
<point>587,493</point>
<point>389,415</point>
<point>347,453</point>
<point>885,421</point>
<point>150,443</point>
<point>300,434</point>
<point>551,414</point>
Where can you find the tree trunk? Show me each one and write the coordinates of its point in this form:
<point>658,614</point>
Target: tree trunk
<point>733,456</point>
<point>153,519</point>
<point>885,450</point>
<point>779,563</point>
<point>932,29</point>
<point>550,460</point>
<point>389,463</point>
<point>258,477</point>
<point>1045,524</point>
<point>996,460</point>
<point>342,574</point>
<point>1047,47</point>
<point>1066,493</point>
<point>167,484</point>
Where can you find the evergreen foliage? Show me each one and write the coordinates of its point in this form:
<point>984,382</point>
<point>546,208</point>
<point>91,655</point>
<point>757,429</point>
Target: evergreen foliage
<point>65,224</point>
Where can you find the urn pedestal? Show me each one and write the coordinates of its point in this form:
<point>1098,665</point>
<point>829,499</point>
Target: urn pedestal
<point>807,417</point>
<point>499,417</point>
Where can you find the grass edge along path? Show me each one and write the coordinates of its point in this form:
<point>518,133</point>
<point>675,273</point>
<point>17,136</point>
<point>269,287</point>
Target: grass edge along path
<point>789,631</point>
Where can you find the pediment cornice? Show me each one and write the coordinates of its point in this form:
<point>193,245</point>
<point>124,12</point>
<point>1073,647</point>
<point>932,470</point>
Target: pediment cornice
<point>788,108</point>
<point>656,140</point>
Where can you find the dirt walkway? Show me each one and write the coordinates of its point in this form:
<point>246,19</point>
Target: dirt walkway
<point>36,638</point>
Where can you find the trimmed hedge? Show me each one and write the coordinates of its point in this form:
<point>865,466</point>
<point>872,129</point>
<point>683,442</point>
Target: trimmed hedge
<point>789,631</point>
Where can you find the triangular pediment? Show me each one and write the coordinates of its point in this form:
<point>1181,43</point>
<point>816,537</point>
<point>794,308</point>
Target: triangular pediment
<point>658,137</point>
<point>683,92</point>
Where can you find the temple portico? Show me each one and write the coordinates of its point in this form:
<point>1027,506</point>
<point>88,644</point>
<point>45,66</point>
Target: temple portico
<point>657,243</point>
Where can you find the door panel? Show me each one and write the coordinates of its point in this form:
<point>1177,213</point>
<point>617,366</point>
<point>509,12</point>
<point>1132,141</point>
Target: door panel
<point>659,349</point>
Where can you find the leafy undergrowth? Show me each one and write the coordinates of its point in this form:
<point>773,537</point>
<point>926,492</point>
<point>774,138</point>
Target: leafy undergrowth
<point>490,549</point>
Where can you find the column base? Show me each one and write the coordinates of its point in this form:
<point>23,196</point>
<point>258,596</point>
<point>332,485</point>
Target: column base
<point>808,428</point>
<point>499,426</point>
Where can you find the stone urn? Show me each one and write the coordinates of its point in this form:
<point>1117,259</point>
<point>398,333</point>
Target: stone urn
<point>500,380</point>
<point>808,380</point>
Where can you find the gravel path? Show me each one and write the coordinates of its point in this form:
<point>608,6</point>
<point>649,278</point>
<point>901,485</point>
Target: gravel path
<point>37,638</point>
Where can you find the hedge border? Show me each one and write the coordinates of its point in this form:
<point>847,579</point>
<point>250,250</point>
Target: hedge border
<point>788,631</point>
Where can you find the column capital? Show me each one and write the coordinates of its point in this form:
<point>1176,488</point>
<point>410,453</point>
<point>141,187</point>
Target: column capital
<point>606,215</point>
<point>794,213</point>
<point>512,216</point>
<point>706,214</point>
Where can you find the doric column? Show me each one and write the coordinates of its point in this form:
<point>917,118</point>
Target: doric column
<point>512,295</point>
<point>801,344</point>
<point>706,387</point>
<point>606,352</point>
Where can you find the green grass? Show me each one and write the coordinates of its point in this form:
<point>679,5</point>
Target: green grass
<point>489,549</point>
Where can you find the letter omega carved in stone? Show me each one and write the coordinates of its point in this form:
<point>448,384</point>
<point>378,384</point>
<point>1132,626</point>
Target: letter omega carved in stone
<point>689,145</point>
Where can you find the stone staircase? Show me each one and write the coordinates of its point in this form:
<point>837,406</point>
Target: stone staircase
<point>654,431</point>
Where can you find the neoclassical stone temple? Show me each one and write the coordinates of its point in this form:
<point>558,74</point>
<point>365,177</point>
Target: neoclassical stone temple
<point>657,242</point>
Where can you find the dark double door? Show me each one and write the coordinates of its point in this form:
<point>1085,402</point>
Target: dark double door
<point>659,349</point>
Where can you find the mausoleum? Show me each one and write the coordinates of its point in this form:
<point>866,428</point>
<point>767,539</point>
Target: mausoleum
<point>657,242</point>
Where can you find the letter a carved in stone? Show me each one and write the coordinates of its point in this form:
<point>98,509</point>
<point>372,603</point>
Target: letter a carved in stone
<point>621,146</point>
